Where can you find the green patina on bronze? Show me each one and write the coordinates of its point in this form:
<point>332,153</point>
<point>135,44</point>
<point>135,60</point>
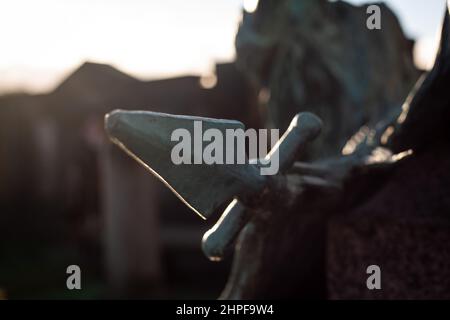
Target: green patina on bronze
<point>146,136</point>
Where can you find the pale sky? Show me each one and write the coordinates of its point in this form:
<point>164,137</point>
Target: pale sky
<point>43,40</point>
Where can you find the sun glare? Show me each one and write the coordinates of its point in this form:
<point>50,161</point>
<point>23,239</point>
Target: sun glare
<point>43,40</point>
<point>148,39</point>
<point>250,5</point>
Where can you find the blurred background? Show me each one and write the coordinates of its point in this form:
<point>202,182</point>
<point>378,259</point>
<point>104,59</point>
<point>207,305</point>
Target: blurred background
<point>66,195</point>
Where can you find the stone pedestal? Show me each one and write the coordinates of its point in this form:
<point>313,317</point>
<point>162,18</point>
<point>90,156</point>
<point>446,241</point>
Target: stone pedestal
<point>413,255</point>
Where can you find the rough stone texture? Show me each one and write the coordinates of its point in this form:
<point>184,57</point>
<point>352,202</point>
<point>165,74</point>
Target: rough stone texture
<point>418,188</point>
<point>413,255</point>
<point>403,226</point>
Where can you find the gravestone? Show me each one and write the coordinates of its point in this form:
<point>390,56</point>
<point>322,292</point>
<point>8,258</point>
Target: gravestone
<point>131,227</point>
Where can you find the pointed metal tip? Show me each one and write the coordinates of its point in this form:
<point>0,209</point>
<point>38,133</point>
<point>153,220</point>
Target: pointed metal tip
<point>112,122</point>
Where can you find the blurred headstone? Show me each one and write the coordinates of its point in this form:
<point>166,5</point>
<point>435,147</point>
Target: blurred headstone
<point>131,236</point>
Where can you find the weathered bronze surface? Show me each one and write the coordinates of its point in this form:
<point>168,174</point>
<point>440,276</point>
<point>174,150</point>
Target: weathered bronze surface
<point>146,136</point>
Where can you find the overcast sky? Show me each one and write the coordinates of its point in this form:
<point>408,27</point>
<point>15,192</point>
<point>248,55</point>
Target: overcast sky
<point>42,40</point>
